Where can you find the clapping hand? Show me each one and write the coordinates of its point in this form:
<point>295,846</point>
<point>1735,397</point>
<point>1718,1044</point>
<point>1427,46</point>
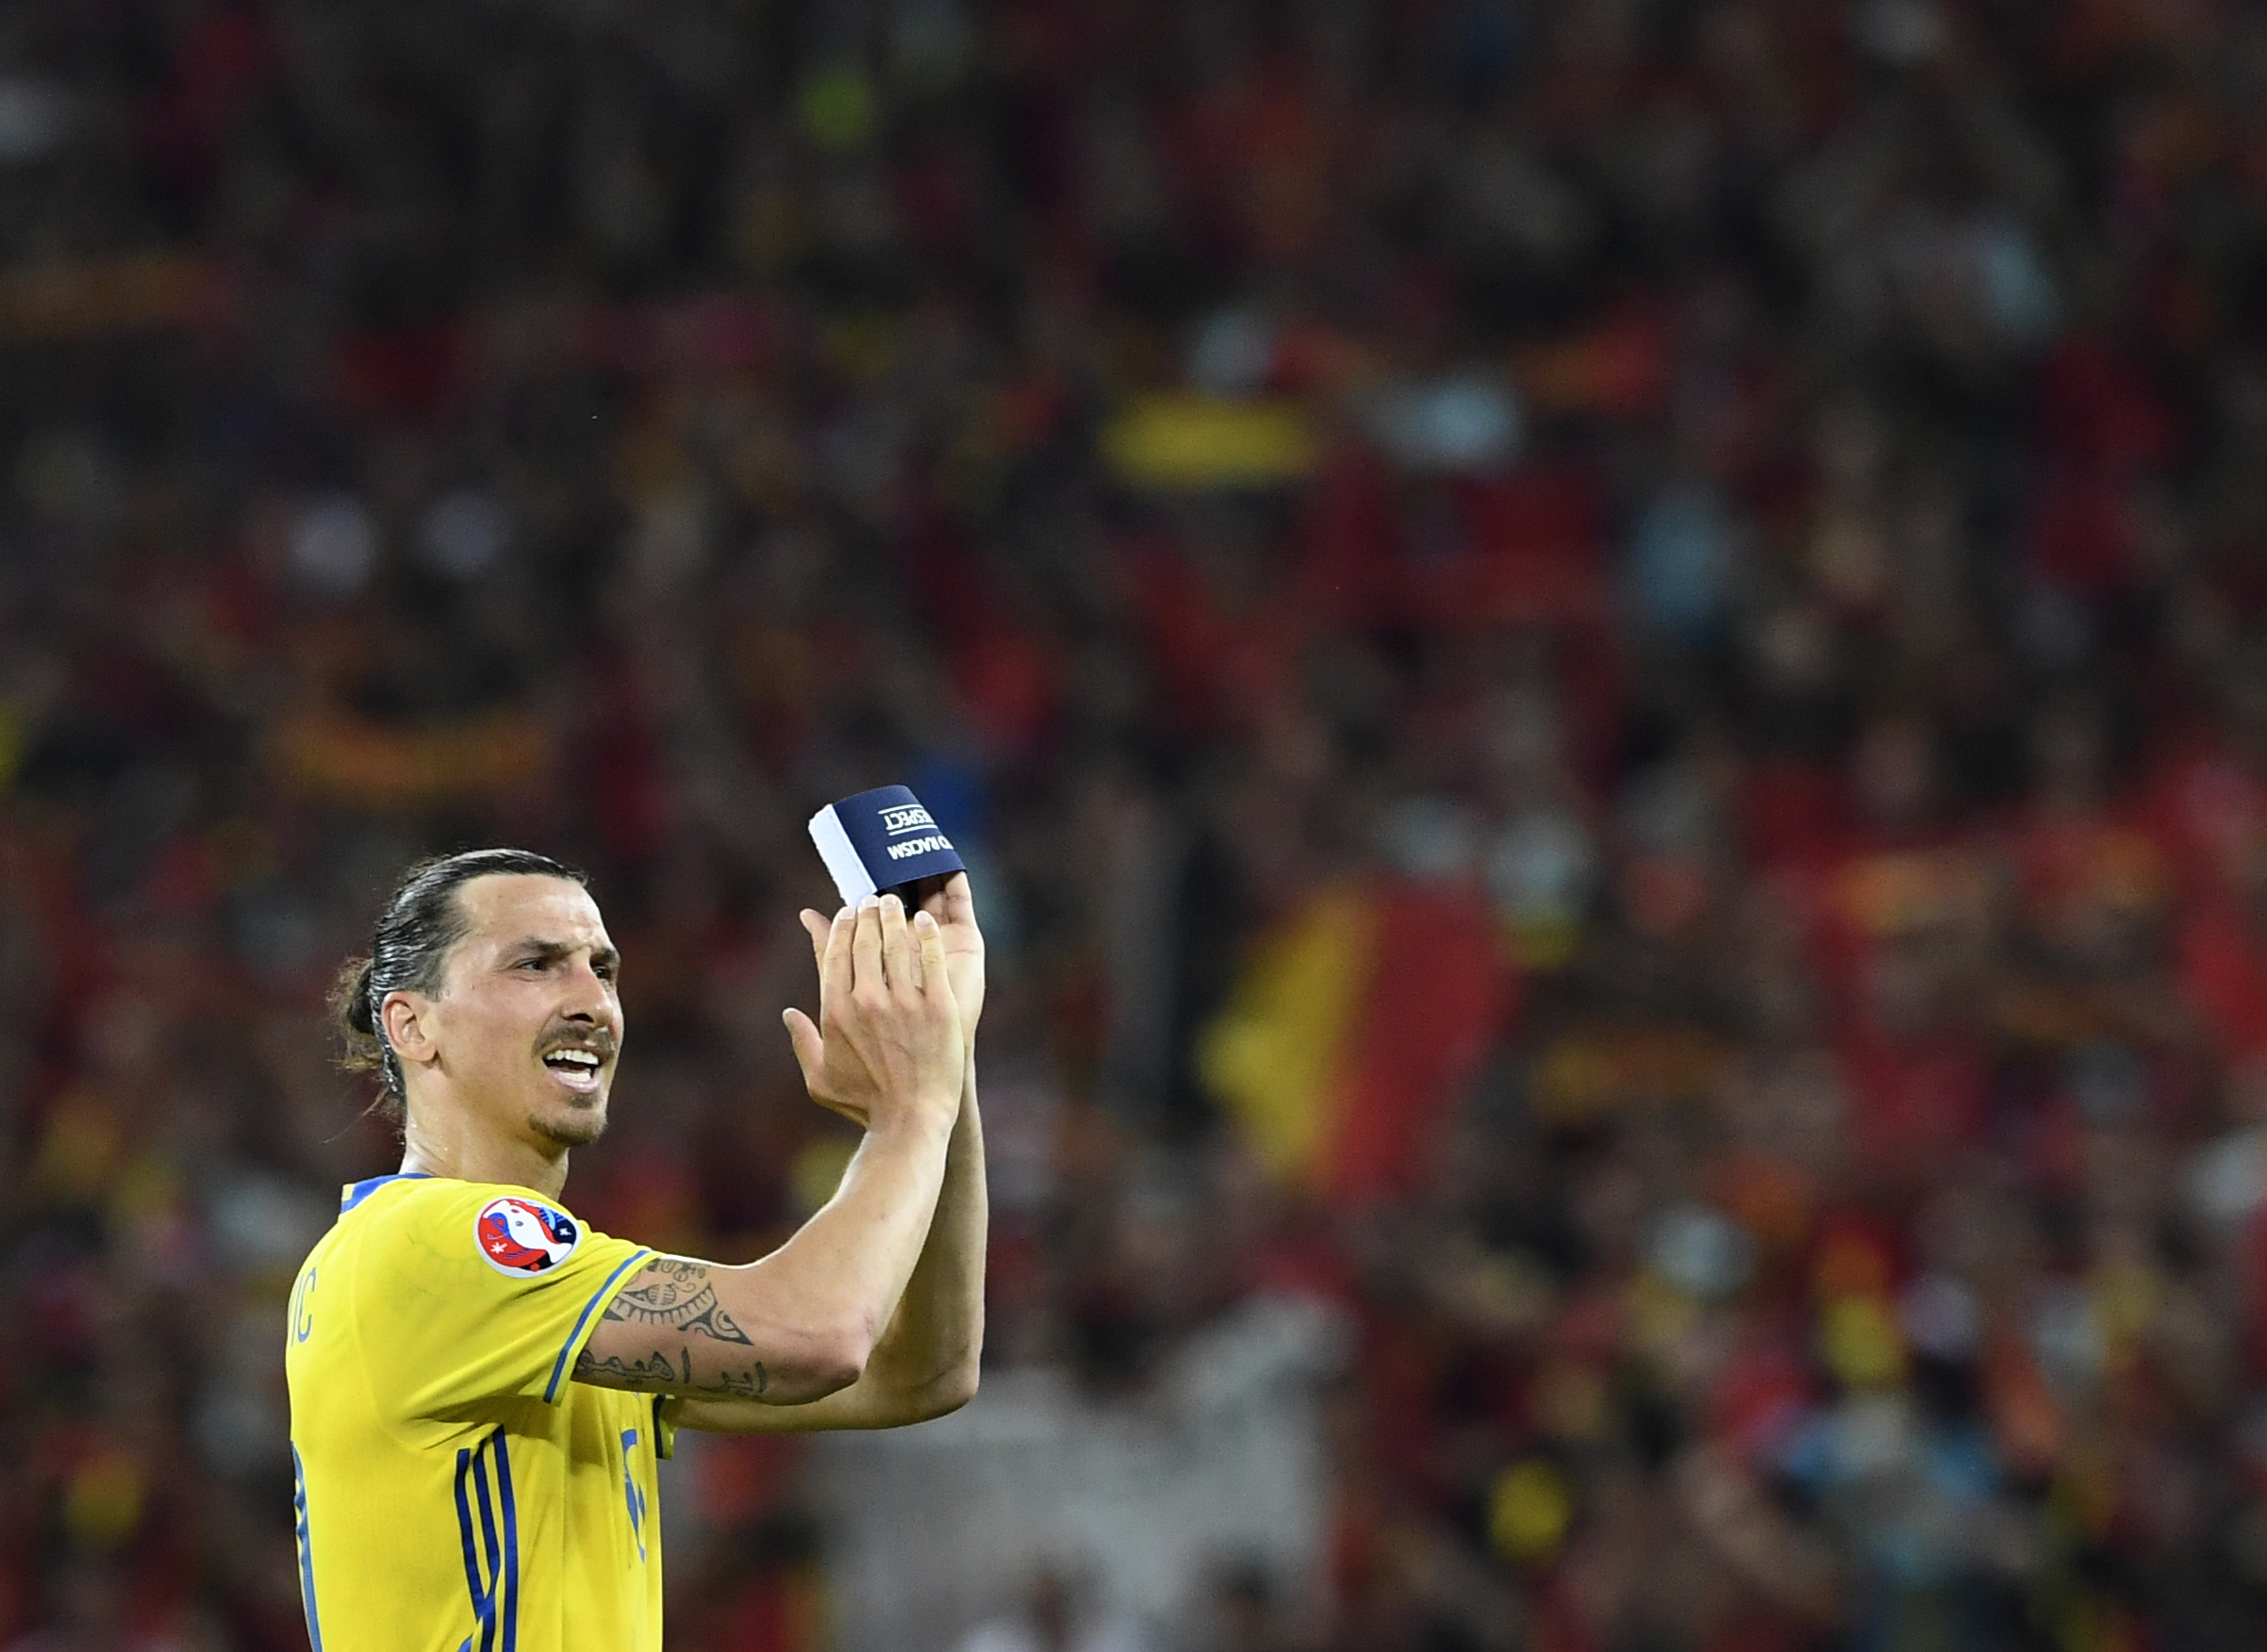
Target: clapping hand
<point>950,901</point>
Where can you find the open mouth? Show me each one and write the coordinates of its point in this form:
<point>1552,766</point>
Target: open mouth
<point>578,1069</point>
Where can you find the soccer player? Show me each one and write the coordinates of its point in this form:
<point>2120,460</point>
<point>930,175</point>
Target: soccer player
<point>481,1385</point>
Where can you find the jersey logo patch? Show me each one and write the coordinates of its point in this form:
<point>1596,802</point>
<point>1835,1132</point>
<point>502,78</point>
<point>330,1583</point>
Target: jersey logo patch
<point>520,1236</point>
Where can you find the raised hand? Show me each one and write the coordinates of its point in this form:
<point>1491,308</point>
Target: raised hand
<point>888,1046</point>
<point>951,904</point>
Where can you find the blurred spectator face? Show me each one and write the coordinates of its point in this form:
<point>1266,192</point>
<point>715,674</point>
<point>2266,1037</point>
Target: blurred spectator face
<point>2066,751</point>
<point>524,1032</point>
<point>1894,774</point>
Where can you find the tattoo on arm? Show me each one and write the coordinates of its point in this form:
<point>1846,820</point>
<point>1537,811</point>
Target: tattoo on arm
<point>670,1291</point>
<point>676,1297</point>
<point>614,1372</point>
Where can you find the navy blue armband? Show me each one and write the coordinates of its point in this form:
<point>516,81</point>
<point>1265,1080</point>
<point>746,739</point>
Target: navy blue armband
<point>881,840</point>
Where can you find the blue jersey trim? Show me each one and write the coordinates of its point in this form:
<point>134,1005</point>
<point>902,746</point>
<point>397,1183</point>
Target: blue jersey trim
<point>632,1494</point>
<point>359,1190</point>
<point>496,1601</point>
<point>484,1601</point>
<point>307,1552</point>
<point>558,1367</point>
<point>511,1543</point>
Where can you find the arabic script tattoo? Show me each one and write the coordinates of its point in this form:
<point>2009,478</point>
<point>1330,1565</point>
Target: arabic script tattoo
<point>675,1299</point>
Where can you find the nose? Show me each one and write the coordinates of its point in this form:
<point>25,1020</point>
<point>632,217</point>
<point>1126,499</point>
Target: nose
<point>589,997</point>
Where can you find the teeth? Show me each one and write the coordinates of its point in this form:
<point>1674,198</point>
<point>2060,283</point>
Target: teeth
<point>578,1057</point>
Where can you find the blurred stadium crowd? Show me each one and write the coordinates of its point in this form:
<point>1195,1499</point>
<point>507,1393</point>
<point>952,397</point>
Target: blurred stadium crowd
<point>1603,660</point>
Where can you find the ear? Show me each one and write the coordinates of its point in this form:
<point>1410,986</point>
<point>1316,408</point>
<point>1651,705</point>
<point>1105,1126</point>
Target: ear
<point>403,1015</point>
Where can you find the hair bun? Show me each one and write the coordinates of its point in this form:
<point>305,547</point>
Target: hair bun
<point>357,1009</point>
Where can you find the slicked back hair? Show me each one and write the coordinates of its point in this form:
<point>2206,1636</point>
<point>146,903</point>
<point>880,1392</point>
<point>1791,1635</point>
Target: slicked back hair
<point>410,950</point>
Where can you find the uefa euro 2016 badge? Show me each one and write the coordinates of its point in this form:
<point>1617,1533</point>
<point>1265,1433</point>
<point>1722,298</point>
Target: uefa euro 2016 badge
<point>520,1236</point>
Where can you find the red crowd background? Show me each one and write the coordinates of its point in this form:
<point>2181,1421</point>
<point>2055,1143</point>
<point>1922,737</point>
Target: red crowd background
<point>1603,660</point>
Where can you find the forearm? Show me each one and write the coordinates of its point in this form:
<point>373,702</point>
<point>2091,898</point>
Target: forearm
<point>799,1326</point>
<point>803,1322</point>
<point>925,1362</point>
<point>834,1286</point>
<point>936,1338</point>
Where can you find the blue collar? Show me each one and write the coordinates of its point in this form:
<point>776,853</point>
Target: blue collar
<point>356,1192</point>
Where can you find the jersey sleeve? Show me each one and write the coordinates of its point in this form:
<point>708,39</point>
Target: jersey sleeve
<point>473,1292</point>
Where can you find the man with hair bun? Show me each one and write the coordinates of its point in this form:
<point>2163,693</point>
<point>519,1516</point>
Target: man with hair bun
<point>481,1385</point>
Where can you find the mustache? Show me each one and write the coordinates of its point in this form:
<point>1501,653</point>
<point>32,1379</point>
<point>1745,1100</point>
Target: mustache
<point>569,1035</point>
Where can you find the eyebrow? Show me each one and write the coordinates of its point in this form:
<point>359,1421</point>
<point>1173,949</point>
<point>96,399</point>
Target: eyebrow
<point>547,950</point>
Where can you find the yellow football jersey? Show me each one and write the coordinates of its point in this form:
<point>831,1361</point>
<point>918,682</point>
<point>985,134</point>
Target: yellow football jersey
<point>455,1490</point>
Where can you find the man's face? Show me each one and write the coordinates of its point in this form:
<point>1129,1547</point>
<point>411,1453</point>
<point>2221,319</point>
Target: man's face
<point>527,1024</point>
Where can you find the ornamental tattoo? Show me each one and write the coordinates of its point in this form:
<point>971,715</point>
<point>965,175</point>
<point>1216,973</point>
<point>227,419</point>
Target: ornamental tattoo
<point>673,1292</point>
<point>676,1299</point>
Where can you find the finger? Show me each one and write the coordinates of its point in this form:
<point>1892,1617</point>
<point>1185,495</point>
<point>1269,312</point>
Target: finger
<point>810,1050</point>
<point>931,940</point>
<point>947,898</point>
<point>865,948</point>
<point>898,954</point>
<point>836,971</point>
<point>960,900</point>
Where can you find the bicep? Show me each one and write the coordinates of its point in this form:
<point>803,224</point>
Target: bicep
<point>666,1331</point>
<point>703,1328</point>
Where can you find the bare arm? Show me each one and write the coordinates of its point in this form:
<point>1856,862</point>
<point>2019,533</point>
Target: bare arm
<point>926,1362</point>
<point>796,1326</point>
<point>805,1320</point>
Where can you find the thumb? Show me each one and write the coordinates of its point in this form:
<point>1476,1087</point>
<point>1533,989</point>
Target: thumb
<point>810,1050</point>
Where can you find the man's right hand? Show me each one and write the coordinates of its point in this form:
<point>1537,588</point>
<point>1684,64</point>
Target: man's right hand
<point>889,1051</point>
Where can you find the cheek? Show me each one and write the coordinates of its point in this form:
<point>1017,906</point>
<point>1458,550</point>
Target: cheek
<point>492,1035</point>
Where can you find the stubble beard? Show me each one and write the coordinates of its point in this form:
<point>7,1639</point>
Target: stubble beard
<point>581,1125</point>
